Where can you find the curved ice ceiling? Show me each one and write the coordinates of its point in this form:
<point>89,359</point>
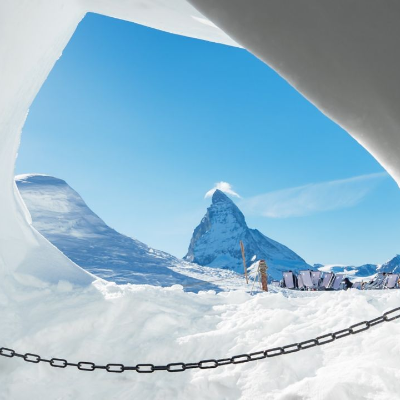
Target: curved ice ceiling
<point>342,55</point>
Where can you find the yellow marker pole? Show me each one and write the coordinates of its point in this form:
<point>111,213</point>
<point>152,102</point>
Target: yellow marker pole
<point>244,262</point>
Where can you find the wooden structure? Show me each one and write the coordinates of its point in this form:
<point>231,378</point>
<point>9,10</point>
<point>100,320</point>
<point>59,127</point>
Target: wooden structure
<point>244,262</point>
<point>264,277</point>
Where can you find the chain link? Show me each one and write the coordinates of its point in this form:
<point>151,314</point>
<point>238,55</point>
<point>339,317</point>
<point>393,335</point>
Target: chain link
<point>211,363</point>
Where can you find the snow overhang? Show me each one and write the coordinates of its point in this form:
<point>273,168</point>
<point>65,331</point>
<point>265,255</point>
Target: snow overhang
<point>342,55</point>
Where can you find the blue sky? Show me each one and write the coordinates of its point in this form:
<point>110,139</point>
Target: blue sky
<point>143,123</point>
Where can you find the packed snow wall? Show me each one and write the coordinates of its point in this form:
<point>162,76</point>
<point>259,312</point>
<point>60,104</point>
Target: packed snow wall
<point>33,35</point>
<point>341,55</point>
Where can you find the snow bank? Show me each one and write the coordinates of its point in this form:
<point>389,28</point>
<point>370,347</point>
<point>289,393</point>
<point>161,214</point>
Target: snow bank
<point>143,324</point>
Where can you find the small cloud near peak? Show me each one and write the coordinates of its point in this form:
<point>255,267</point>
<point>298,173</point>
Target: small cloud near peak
<point>223,187</point>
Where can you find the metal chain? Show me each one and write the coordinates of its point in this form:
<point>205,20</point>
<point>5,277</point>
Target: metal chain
<point>211,363</point>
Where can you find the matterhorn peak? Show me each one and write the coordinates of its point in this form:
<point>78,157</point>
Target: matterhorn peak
<point>219,196</point>
<point>216,241</point>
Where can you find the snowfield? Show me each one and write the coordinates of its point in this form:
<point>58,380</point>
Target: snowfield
<point>107,323</point>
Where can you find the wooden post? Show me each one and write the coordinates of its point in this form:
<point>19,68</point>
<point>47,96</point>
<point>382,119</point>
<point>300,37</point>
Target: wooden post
<point>244,262</point>
<point>263,272</point>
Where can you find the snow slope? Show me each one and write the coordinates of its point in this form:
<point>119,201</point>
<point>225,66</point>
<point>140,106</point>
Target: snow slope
<point>60,214</point>
<point>216,242</point>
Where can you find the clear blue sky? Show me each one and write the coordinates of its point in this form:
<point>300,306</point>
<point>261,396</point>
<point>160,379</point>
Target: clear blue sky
<point>143,123</point>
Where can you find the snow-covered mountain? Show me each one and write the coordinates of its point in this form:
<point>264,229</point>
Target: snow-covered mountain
<point>361,271</point>
<point>216,241</point>
<point>366,270</point>
<point>392,265</point>
<point>60,214</point>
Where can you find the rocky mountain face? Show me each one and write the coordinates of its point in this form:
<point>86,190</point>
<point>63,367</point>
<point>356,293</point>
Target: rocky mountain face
<point>60,214</point>
<point>216,242</point>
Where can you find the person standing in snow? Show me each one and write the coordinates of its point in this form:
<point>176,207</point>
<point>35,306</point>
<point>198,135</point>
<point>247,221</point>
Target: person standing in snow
<point>347,283</point>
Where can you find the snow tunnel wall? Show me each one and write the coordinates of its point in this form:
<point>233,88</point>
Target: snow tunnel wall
<point>312,44</point>
<point>342,55</point>
<point>33,36</point>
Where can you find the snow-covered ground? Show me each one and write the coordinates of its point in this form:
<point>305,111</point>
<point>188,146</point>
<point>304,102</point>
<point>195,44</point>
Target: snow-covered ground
<point>143,324</point>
